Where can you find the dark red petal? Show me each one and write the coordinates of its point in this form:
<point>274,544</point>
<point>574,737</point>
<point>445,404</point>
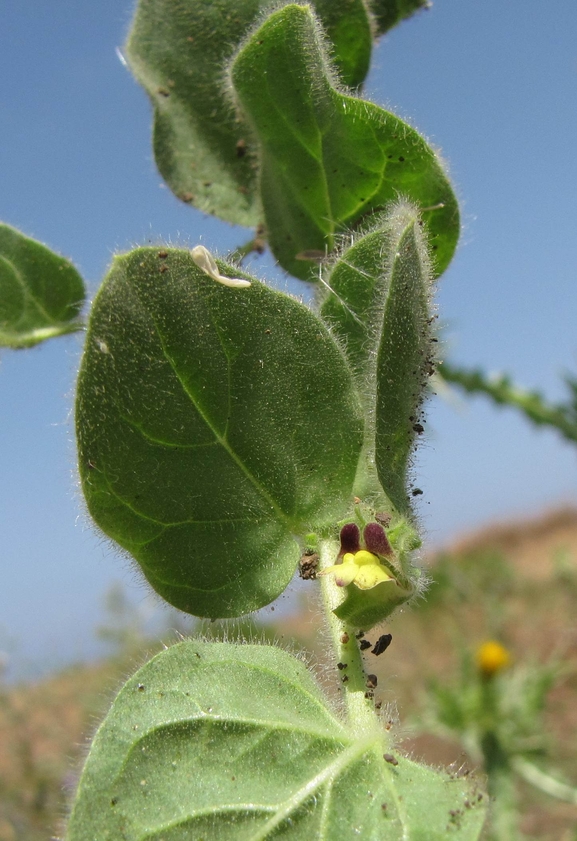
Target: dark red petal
<point>376,540</point>
<point>350,539</point>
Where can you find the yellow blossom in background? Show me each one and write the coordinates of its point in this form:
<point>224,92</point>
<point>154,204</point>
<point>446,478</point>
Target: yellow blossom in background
<point>492,657</point>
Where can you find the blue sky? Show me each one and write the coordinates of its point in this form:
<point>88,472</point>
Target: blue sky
<point>493,84</point>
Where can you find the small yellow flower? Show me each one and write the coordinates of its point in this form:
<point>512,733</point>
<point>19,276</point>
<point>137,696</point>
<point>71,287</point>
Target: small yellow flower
<point>362,567</point>
<point>492,657</point>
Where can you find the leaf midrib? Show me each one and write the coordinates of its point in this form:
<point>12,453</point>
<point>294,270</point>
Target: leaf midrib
<point>284,809</point>
<point>27,292</point>
<point>291,526</point>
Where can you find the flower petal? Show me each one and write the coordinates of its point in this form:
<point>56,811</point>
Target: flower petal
<point>371,575</point>
<point>376,540</point>
<point>363,558</point>
<point>346,574</point>
<point>350,539</point>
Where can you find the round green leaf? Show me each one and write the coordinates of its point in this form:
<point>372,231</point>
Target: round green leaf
<point>178,50</point>
<point>214,426</point>
<point>227,742</point>
<point>328,160</point>
<point>41,293</point>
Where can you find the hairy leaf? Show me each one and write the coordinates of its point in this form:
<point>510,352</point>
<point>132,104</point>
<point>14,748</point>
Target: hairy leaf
<point>329,159</point>
<point>379,308</point>
<point>404,364</point>
<point>41,293</point>
<point>230,742</point>
<point>214,425</point>
<point>178,51</point>
<point>389,13</point>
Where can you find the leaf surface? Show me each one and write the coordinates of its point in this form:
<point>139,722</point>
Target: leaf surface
<point>228,742</point>
<point>380,307</point>
<point>214,425</point>
<point>404,363</point>
<point>389,13</point>
<point>178,50</point>
<point>41,293</point>
<point>328,159</point>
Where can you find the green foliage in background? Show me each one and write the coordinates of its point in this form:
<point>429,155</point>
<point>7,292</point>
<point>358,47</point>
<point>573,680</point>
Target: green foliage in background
<point>224,429</point>
<point>497,713</point>
<point>41,293</point>
<point>503,392</point>
<point>327,159</point>
<point>179,50</point>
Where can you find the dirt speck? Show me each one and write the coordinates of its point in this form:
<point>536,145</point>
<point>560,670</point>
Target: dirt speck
<point>308,566</point>
<point>382,644</point>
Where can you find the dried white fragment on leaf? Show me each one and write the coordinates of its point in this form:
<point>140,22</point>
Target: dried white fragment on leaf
<point>205,261</point>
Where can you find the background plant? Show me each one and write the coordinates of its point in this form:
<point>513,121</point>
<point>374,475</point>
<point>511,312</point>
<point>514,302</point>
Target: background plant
<point>88,191</point>
<point>275,450</point>
<point>532,404</point>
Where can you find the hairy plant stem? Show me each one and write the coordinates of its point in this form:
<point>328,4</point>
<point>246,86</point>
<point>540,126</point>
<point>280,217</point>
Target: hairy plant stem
<point>359,702</point>
<point>560,416</point>
<point>500,780</point>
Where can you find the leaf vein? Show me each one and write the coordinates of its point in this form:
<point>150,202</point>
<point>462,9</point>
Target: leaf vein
<point>220,439</point>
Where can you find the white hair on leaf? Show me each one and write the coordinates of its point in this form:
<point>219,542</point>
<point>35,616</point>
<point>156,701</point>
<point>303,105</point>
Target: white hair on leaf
<point>205,261</point>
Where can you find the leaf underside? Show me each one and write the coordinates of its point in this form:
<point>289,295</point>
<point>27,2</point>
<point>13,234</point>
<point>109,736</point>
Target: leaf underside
<point>178,51</point>
<point>41,293</point>
<point>328,160</point>
<point>404,363</point>
<point>379,306</point>
<point>214,425</point>
<point>389,13</point>
<point>223,742</point>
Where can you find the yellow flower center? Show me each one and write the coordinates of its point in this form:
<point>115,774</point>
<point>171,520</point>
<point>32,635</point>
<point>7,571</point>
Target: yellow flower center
<point>362,558</point>
<point>363,568</point>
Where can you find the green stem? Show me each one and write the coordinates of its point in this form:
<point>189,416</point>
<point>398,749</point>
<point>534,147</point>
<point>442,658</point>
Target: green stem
<point>359,702</point>
<point>500,780</point>
<point>504,812</point>
<point>544,782</point>
<point>503,392</point>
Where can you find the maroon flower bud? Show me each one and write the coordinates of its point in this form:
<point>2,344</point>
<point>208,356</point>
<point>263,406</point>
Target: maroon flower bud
<point>376,540</point>
<point>350,539</point>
